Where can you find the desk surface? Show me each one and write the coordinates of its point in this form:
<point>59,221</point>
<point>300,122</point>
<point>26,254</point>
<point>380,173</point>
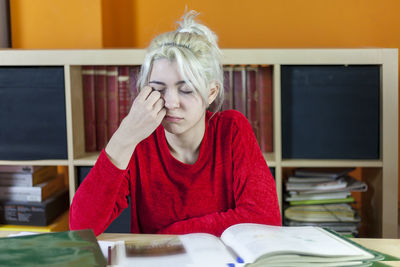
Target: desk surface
<point>387,246</point>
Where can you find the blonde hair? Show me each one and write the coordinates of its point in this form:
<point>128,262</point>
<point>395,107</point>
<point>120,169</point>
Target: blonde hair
<point>194,48</point>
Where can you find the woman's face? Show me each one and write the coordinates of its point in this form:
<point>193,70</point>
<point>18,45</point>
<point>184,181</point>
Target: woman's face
<point>185,107</point>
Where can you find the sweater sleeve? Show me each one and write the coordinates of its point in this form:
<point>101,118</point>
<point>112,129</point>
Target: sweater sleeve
<point>100,198</point>
<point>253,185</point>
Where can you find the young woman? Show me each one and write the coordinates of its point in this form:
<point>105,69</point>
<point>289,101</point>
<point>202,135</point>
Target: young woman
<point>186,166</point>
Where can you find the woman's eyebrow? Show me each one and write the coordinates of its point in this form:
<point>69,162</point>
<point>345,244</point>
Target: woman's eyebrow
<point>162,83</point>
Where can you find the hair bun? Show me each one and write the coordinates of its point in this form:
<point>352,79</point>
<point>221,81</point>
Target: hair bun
<point>190,25</point>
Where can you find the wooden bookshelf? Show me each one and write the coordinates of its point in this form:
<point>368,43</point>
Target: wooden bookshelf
<point>382,172</point>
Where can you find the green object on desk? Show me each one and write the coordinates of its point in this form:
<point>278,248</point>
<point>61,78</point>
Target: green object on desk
<point>71,248</point>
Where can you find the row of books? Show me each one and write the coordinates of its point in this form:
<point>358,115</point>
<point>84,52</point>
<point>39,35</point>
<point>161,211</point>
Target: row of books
<point>248,89</point>
<point>323,198</point>
<point>32,196</point>
<point>108,93</point>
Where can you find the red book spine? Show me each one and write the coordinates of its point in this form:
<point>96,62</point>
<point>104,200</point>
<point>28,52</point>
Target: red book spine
<point>264,79</point>
<point>133,76</point>
<point>112,100</point>
<point>89,108</point>
<point>123,88</point>
<point>100,79</point>
<point>228,92</point>
<point>239,89</point>
<point>252,100</point>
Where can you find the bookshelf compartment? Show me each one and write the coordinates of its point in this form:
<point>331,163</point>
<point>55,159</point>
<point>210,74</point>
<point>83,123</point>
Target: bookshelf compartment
<point>364,205</point>
<point>330,112</point>
<point>109,86</point>
<point>122,223</point>
<point>32,108</point>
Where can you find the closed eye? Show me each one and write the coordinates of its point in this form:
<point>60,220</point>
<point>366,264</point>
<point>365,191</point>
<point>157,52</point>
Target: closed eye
<point>158,89</point>
<point>185,89</point>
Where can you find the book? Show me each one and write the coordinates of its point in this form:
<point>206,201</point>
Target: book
<point>27,178</point>
<point>250,245</point>
<point>316,196</point>
<point>89,108</point>
<point>61,223</point>
<point>322,213</point>
<point>68,248</point>
<point>123,91</point>
<point>133,77</point>
<point>348,199</point>
<point>310,186</point>
<point>228,88</point>
<point>239,89</point>
<point>252,97</point>
<point>264,85</point>
<point>100,82</point>
<point>34,213</point>
<point>19,168</point>
<point>112,100</point>
<point>335,173</point>
<point>316,179</point>
<point>35,193</point>
<point>305,186</point>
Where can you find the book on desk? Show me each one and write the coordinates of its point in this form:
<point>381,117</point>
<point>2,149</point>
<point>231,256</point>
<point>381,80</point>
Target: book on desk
<point>68,248</point>
<point>245,244</point>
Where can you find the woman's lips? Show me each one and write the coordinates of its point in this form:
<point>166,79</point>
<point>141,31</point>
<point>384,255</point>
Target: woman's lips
<point>172,118</point>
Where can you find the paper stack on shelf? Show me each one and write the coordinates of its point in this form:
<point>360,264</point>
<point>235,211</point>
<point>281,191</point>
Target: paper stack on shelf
<point>322,198</point>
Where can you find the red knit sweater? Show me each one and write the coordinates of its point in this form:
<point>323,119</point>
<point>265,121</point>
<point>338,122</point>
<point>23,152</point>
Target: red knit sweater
<point>230,183</point>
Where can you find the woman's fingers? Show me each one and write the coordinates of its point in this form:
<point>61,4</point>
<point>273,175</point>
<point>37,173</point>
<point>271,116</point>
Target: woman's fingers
<point>159,104</point>
<point>153,98</point>
<point>144,93</point>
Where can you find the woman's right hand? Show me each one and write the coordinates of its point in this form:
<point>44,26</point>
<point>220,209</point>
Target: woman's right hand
<point>145,115</point>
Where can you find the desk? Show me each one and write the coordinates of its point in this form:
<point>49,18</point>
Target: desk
<point>387,246</point>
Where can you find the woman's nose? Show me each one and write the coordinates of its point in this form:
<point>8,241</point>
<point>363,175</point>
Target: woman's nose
<point>171,99</point>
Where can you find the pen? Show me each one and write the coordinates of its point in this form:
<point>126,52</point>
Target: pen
<point>235,256</point>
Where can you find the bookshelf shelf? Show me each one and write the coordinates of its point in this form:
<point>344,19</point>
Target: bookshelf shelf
<point>270,158</point>
<point>35,162</point>
<point>331,163</point>
<point>381,172</point>
<point>88,160</point>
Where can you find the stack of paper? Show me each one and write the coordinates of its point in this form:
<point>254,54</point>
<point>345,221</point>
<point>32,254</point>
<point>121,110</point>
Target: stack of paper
<point>323,198</point>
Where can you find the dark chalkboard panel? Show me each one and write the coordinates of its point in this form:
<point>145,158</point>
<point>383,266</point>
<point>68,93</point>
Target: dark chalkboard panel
<point>122,223</point>
<point>330,112</point>
<point>32,113</point>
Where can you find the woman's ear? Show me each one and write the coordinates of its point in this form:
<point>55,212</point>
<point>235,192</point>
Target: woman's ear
<point>213,93</point>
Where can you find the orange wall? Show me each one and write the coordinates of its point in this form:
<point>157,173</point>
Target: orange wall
<point>257,23</point>
<point>56,24</point>
<point>239,24</point>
